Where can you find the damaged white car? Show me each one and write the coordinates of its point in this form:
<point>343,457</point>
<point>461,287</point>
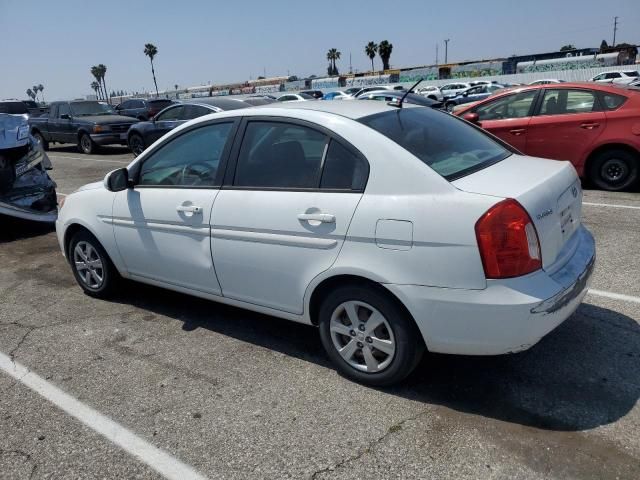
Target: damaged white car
<point>26,190</point>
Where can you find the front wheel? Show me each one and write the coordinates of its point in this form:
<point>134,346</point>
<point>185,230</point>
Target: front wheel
<point>40,139</point>
<point>91,265</point>
<point>368,336</point>
<point>614,170</point>
<point>86,145</point>
<point>136,144</point>
<point>450,106</point>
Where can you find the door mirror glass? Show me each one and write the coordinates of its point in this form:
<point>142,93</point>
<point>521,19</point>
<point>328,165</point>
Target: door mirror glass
<point>117,180</point>
<point>471,117</point>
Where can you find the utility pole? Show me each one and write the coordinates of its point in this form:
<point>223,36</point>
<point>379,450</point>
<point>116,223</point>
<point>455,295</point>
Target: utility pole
<point>615,29</point>
<point>436,53</point>
<point>446,51</point>
<point>350,68</point>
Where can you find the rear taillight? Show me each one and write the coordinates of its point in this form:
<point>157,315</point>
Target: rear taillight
<point>508,241</point>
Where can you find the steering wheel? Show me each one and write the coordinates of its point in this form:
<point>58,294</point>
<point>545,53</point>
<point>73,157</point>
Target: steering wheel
<point>203,174</point>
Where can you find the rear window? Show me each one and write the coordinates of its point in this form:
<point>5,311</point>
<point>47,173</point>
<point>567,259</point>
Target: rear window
<point>13,108</point>
<point>611,101</point>
<point>445,143</point>
<point>160,103</point>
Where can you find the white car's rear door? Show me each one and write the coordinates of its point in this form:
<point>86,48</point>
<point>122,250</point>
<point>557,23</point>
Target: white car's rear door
<point>285,212</point>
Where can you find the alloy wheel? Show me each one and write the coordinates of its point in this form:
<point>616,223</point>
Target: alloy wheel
<point>614,170</point>
<point>88,265</point>
<point>136,145</point>
<point>362,336</point>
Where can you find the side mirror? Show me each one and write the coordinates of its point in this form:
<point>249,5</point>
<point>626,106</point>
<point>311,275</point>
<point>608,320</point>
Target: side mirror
<point>117,180</point>
<point>65,116</point>
<point>465,94</point>
<point>471,117</point>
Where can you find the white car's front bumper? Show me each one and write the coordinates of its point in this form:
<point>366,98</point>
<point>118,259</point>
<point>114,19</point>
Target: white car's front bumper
<point>509,315</point>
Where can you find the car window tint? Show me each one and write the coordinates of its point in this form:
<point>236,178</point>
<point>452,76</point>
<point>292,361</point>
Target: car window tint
<point>612,101</point>
<point>445,143</point>
<point>194,111</point>
<point>343,169</point>
<point>510,106</point>
<point>174,113</point>
<point>561,102</point>
<point>64,109</point>
<point>191,159</point>
<point>280,155</point>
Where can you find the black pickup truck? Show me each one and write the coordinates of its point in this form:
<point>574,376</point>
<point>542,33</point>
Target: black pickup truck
<point>85,123</point>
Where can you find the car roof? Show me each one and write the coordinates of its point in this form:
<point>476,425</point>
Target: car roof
<point>219,102</point>
<point>353,110</point>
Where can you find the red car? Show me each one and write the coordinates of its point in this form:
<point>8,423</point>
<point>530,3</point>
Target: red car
<point>594,126</point>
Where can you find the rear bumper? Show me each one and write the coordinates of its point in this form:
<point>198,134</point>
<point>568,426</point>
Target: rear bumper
<point>28,214</point>
<point>109,138</point>
<point>509,315</point>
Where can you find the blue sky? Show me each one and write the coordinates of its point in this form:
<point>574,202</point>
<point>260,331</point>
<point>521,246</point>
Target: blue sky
<point>55,42</point>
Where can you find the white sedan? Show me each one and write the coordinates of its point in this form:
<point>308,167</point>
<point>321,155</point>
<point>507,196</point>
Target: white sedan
<point>394,230</point>
<point>295,97</point>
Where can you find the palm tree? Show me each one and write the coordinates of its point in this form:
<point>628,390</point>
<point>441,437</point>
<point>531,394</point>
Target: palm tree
<point>30,94</point>
<point>95,86</point>
<point>150,50</point>
<point>333,55</point>
<point>371,49</point>
<point>102,68</point>
<point>34,89</point>
<point>384,50</point>
<point>95,71</point>
<point>41,88</point>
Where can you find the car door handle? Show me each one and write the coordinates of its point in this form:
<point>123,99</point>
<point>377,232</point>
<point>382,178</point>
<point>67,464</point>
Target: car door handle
<point>317,217</point>
<point>589,126</point>
<point>189,208</point>
<point>517,131</point>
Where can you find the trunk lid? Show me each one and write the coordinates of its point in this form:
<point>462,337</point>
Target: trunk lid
<point>548,189</point>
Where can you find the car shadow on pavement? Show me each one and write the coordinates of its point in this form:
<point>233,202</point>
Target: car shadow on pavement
<point>69,148</point>
<point>581,376</point>
<point>12,229</point>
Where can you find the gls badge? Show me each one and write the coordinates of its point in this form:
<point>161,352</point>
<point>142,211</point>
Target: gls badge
<point>546,213</point>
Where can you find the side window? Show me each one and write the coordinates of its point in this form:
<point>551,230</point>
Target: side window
<point>63,109</point>
<point>343,169</point>
<point>174,113</point>
<point>194,111</point>
<point>510,106</point>
<point>125,105</point>
<point>611,101</point>
<point>137,104</point>
<point>598,77</point>
<point>280,155</point>
<point>191,159</point>
<point>561,102</point>
<point>613,75</point>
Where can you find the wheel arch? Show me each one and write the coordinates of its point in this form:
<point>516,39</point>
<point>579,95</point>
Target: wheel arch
<point>329,283</point>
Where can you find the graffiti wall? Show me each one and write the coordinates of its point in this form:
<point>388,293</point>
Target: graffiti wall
<point>294,86</point>
<point>568,63</point>
<point>480,69</point>
<point>262,89</point>
<point>371,80</point>
<point>426,73</point>
<point>328,82</point>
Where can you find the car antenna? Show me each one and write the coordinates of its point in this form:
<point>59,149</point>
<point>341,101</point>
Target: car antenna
<point>399,104</point>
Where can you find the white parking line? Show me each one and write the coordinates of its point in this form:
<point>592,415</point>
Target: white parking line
<point>159,460</point>
<point>53,156</point>
<point>610,205</point>
<point>615,296</point>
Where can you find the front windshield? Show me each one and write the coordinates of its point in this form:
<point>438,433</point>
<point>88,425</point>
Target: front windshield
<point>83,109</point>
<point>445,143</point>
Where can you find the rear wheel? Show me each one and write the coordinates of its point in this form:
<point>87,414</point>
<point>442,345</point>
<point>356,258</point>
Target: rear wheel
<point>91,265</point>
<point>86,145</point>
<point>40,139</point>
<point>136,144</point>
<point>614,170</point>
<point>368,336</point>
<point>450,106</point>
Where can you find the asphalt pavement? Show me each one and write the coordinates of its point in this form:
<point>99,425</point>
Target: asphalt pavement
<point>237,395</point>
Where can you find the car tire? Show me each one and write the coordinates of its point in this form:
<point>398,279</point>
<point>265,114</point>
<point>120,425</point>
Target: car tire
<point>380,356</point>
<point>40,139</point>
<point>614,170</point>
<point>91,265</point>
<point>142,119</point>
<point>136,144</point>
<point>86,145</point>
<point>450,106</point>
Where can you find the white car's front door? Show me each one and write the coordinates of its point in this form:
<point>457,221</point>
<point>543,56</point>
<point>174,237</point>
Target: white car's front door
<point>161,225</point>
<point>283,218</point>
